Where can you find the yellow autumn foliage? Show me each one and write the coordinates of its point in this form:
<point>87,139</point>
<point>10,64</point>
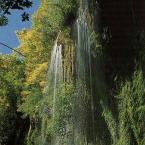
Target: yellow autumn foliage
<point>37,73</point>
<point>25,93</point>
<point>3,102</point>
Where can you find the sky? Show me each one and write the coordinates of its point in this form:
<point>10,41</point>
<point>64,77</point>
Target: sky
<point>8,32</point>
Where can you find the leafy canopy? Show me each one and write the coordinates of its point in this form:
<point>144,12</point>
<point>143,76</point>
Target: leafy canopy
<point>6,7</point>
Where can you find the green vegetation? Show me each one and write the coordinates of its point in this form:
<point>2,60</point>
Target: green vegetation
<point>104,106</point>
<point>11,78</point>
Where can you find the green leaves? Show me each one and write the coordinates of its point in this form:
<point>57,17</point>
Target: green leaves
<point>11,75</point>
<point>131,107</point>
<point>6,7</point>
<point>63,114</point>
<point>30,105</point>
<point>3,21</point>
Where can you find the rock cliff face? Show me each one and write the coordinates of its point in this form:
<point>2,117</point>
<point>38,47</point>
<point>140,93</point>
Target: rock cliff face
<point>124,21</point>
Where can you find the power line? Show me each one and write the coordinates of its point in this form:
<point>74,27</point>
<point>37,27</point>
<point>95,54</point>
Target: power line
<point>11,48</point>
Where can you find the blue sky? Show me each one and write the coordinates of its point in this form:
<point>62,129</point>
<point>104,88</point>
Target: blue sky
<point>7,33</point>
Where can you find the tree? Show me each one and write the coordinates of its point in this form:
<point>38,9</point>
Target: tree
<point>6,7</point>
<point>11,78</point>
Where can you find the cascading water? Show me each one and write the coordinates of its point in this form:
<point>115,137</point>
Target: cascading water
<point>56,70</point>
<point>83,104</point>
<point>55,78</point>
<point>72,105</point>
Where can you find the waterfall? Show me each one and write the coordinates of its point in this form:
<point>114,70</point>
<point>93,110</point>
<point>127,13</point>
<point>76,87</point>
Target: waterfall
<point>55,79</point>
<point>83,104</point>
<point>56,71</point>
<point>72,102</point>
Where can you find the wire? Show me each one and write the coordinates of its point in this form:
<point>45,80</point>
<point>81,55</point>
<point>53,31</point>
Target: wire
<point>12,49</point>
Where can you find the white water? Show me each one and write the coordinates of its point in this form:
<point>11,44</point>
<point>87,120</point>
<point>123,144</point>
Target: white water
<point>83,96</point>
<point>55,78</point>
<point>83,65</point>
<point>56,71</point>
